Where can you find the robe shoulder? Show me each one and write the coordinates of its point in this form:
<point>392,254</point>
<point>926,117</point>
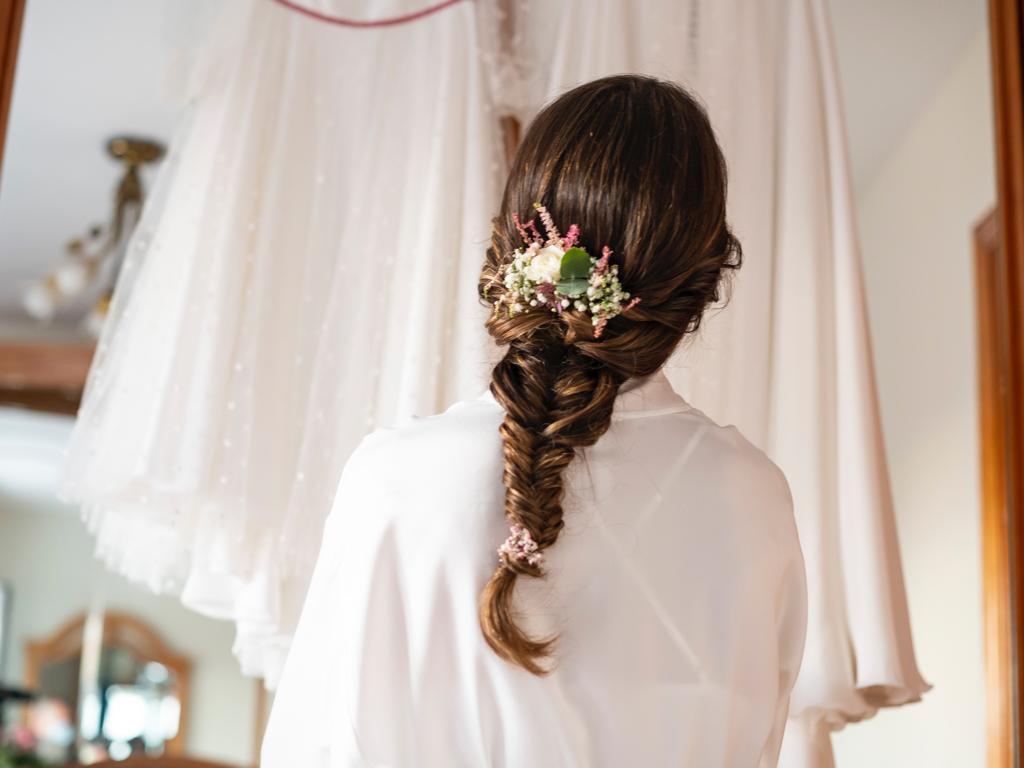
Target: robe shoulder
<point>432,484</point>
<point>461,441</point>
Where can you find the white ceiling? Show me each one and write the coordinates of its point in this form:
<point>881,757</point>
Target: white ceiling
<point>892,56</point>
<point>109,78</point>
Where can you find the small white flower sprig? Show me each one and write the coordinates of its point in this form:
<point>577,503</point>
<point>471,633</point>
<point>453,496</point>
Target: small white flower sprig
<point>558,275</point>
<point>520,547</point>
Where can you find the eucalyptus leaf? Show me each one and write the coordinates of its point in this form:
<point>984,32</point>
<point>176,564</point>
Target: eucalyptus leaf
<point>572,287</point>
<point>575,264</point>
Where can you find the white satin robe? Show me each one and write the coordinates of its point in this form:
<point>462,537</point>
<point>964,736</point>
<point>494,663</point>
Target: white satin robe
<point>676,588</point>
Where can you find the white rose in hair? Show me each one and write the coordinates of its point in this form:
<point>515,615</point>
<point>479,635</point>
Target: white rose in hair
<point>546,266</point>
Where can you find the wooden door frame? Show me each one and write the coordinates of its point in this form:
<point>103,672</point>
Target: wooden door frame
<point>996,571</point>
<point>999,271</point>
<point>11,14</point>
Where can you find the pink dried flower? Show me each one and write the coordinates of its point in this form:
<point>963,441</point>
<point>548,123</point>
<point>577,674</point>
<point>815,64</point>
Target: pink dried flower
<point>571,237</point>
<point>522,230</point>
<point>537,236</point>
<point>548,289</point>
<point>554,237</point>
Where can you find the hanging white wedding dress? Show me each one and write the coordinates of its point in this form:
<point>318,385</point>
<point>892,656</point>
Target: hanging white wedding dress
<point>306,269</point>
<point>789,362</point>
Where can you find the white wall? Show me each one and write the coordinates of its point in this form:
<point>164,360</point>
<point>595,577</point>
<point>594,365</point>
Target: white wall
<point>46,555</point>
<point>916,218</point>
<point>892,58</point>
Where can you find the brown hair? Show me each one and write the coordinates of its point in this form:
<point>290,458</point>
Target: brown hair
<point>634,162</point>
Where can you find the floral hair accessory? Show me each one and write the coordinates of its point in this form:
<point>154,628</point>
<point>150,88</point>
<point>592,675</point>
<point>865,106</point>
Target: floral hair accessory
<point>556,274</point>
<point>520,547</point>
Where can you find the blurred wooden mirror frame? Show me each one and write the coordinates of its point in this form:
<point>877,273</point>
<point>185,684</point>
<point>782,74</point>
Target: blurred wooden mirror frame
<point>120,630</point>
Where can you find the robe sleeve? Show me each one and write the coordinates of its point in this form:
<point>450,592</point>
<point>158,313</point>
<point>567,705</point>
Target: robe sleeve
<point>792,631</point>
<point>309,723</point>
<point>790,622</point>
